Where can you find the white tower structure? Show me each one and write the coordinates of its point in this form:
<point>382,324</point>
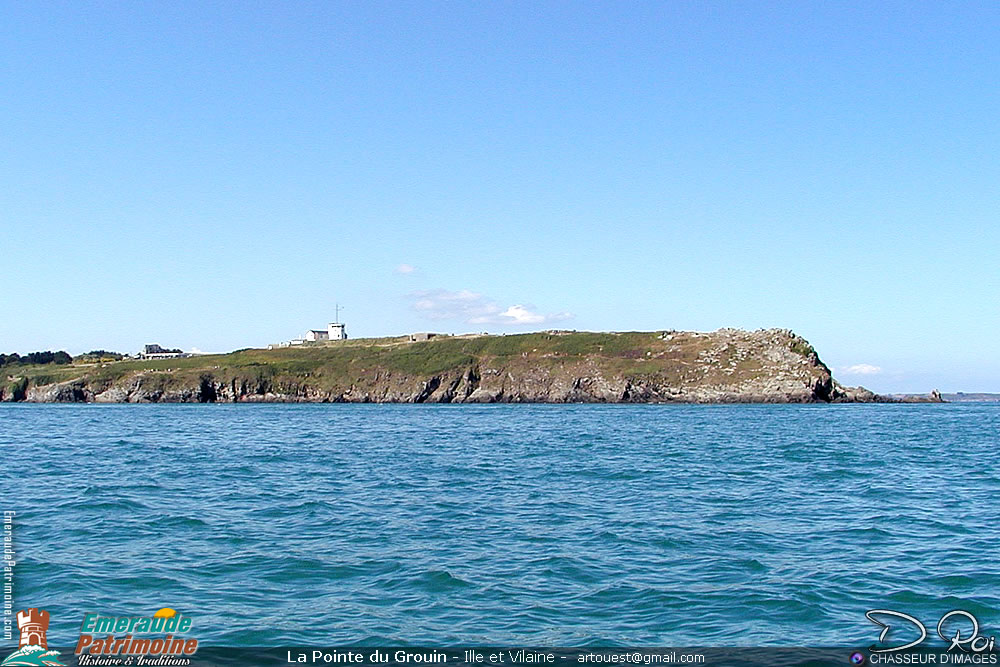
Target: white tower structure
<point>336,330</point>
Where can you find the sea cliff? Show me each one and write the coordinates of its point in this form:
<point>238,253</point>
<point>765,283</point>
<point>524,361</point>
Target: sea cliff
<point>724,366</point>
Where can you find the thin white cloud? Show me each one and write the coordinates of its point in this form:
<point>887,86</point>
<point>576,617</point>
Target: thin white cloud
<point>518,314</point>
<point>441,304</point>
<point>475,308</point>
<point>861,369</point>
<point>405,269</point>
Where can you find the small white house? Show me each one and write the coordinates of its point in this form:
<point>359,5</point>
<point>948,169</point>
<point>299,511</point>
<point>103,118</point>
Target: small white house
<point>154,351</point>
<point>317,334</point>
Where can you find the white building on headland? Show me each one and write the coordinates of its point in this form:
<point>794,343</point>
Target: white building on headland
<point>333,331</point>
<point>336,331</point>
<point>154,351</point>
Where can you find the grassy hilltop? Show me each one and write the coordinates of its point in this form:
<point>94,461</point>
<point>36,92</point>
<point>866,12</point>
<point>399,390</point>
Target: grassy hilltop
<point>728,365</point>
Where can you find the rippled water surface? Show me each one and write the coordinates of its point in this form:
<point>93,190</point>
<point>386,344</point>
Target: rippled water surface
<point>544,525</point>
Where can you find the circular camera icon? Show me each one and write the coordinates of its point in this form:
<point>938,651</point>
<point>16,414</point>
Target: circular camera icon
<point>857,658</point>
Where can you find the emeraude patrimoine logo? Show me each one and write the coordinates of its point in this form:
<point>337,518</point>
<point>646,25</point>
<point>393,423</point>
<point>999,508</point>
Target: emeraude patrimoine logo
<point>120,636</point>
<point>106,640</point>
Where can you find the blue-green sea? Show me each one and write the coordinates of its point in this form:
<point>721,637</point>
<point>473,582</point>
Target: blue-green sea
<point>540,525</point>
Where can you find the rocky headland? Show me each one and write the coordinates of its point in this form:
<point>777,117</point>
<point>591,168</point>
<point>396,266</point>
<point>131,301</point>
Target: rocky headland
<point>724,366</point>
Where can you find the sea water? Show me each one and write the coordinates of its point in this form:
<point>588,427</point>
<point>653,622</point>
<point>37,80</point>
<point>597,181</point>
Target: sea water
<point>545,525</point>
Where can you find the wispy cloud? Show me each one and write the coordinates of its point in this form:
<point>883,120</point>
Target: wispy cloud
<point>405,269</point>
<point>861,369</point>
<point>475,308</point>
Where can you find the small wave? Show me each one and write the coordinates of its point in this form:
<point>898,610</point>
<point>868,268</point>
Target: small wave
<point>179,522</point>
<point>120,505</point>
<point>434,581</point>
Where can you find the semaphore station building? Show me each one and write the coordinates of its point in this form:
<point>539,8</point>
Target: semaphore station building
<point>333,331</point>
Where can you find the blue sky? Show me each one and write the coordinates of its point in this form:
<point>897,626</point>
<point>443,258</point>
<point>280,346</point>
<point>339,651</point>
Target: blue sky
<point>219,175</point>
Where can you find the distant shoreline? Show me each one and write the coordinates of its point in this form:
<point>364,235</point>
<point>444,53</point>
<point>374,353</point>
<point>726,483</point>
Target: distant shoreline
<point>971,397</point>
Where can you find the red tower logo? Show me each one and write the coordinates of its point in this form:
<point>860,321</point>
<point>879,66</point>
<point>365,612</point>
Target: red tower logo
<point>33,648</point>
<point>33,624</point>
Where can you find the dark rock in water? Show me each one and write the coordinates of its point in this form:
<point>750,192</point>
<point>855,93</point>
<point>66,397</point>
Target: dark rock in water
<point>933,397</point>
<point>842,394</point>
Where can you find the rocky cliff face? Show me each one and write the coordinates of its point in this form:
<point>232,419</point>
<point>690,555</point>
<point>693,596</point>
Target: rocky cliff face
<point>726,366</point>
